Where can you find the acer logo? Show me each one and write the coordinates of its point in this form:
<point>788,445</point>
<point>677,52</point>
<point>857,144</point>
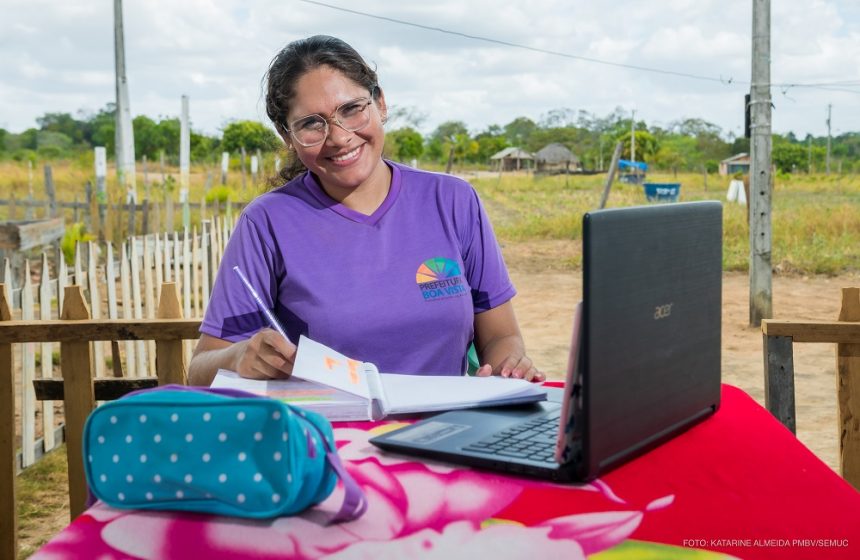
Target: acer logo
<point>662,311</point>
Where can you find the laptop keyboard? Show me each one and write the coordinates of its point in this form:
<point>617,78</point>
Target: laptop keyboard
<point>534,440</point>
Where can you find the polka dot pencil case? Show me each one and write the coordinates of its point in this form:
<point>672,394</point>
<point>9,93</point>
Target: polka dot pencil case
<point>219,451</point>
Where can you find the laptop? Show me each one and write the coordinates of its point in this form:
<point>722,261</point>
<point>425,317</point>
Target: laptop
<point>644,363</point>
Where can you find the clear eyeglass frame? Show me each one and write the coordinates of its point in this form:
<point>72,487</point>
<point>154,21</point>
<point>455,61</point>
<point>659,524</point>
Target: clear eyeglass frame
<point>358,119</point>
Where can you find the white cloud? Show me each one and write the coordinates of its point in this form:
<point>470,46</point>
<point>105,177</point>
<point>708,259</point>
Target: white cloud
<point>58,56</point>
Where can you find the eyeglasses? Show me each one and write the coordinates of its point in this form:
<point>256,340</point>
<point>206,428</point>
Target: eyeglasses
<point>312,130</point>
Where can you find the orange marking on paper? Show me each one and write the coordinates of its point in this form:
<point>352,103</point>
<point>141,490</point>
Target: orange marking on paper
<point>353,370</point>
<point>331,363</point>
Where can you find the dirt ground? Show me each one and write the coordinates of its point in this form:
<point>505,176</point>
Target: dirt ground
<point>546,296</point>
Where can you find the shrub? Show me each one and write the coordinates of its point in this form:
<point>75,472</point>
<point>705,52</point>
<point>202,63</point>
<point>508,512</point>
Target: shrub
<point>75,233</point>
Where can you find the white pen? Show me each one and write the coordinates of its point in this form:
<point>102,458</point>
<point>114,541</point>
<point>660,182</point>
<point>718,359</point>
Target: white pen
<point>273,321</point>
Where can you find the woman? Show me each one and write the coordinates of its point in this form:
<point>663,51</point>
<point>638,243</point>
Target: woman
<point>379,261</point>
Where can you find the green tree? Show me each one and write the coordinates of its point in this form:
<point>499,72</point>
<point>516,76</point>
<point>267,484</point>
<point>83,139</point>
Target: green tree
<point>446,131</point>
<point>63,123</point>
<point>519,130</point>
<point>101,129</point>
<point>646,145</point>
<point>147,140</point>
<point>404,144</point>
<point>788,156</point>
<point>250,134</point>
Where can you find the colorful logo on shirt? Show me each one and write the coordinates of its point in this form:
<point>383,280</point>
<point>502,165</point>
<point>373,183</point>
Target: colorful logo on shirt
<point>440,278</point>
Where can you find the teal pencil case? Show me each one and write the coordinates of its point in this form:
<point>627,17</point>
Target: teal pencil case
<point>218,451</point>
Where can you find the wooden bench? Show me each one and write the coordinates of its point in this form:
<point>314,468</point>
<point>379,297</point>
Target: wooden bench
<point>778,339</point>
<point>78,388</point>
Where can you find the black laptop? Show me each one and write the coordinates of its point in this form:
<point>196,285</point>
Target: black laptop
<point>644,363</point>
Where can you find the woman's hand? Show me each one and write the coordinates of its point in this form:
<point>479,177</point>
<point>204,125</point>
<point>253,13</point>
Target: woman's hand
<point>517,367</point>
<point>266,355</point>
<point>500,345</point>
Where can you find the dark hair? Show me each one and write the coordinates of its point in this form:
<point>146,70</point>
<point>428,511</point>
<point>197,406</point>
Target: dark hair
<point>298,58</point>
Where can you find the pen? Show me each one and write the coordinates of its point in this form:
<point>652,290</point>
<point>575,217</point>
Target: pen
<point>273,321</point>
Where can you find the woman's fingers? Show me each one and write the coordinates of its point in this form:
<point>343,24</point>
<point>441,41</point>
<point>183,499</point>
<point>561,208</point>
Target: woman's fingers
<point>267,355</point>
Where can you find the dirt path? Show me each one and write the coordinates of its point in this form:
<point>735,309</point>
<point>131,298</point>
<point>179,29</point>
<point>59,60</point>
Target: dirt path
<point>546,298</point>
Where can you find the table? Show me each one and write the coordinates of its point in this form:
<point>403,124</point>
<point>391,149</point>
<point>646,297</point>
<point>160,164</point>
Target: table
<point>738,483</point>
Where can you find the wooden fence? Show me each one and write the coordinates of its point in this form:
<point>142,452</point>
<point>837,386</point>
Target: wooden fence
<point>122,282</point>
<point>108,222</point>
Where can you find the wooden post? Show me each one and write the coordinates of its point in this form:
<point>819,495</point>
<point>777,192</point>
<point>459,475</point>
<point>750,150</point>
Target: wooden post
<point>49,190</point>
<point>13,207</point>
<point>8,462</point>
<point>242,164</point>
<point>47,353</point>
<point>779,379</point>
<point>848,393</point>
<point>95,304</point>
<point>169,358</point>
<point>610,175</point>
<point>76,365</point>
<point>145,225</point>
<point>225,165</point>
<point>88,212</point>
<point>99,207</point>
<point>110,276</point>
<point>31,201</point>
<point>132,214</point>
<point>28,375</point>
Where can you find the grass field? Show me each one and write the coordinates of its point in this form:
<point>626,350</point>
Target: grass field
<point>816,219</point>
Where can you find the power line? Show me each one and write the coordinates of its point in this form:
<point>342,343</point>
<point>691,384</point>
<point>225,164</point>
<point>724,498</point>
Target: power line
<point>526,47</point>
<point>827,86</point>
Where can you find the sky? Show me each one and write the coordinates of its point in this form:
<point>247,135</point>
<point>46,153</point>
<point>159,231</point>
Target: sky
<point>58,56</point>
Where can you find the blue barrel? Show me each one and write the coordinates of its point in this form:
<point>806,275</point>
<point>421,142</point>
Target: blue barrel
<point>662,192</point>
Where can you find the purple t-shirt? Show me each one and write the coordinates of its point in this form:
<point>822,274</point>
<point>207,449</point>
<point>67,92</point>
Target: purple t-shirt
<point>399,288</point>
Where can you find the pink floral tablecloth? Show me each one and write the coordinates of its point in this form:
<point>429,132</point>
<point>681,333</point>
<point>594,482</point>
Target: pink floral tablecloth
<point>738,484</point>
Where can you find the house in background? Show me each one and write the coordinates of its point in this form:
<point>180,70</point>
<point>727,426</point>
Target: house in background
<point>556,158</point>
<point>511,159</point>
<point>739,163</point>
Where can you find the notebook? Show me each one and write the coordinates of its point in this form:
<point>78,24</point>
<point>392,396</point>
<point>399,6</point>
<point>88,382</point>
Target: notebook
<point>644,362</point>
<point>341,388</point>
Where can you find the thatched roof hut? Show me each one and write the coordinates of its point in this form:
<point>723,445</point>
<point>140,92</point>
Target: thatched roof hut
<point>556,157</point>
<point>511,159</point>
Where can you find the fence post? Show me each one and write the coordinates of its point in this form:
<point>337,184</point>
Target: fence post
<point>49,189</point>
<point>88,213</point>
<point>145,220</point>
<point>848,382</point>
<point>28,375</point>
<point>242,159</point>
<point>8,463</point>
<point>225,165</point>
<point>46,351</point>
<point>76,365</point>
<point>169,358</point>
<point>132,213</point>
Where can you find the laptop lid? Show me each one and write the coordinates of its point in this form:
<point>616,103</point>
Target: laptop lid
<point>644,362</point>
<point>650,352</point>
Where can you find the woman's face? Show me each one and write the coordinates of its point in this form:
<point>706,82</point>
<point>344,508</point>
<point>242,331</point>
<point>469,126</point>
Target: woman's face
<point>345,160</point>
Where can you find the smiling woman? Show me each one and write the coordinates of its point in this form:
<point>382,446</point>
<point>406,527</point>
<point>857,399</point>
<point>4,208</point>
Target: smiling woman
<point>380,261</point>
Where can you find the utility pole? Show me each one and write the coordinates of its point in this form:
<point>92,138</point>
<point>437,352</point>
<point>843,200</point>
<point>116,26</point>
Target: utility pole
<point>633,136</point>
<point>829,107</point>
<point>124,132</point>
<point>761,179</point>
